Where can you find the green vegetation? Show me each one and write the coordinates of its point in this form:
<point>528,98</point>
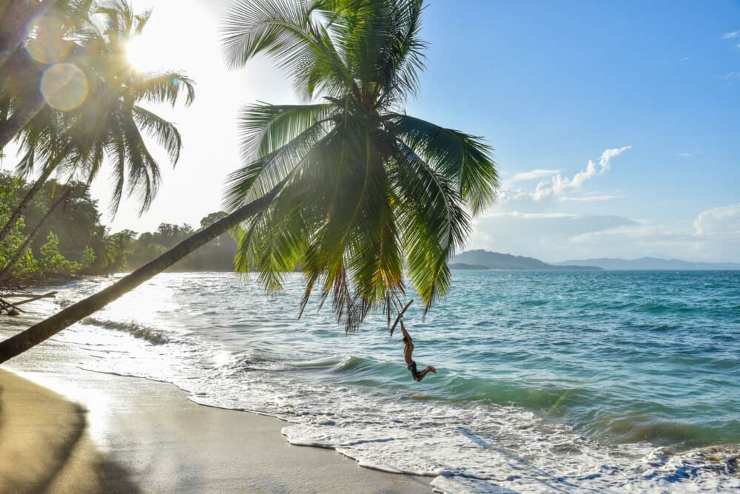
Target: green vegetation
<point>131,250</point>
<point>350,187</point>
<point>365,190</point>
<point>72,241</point>
<point>93,116</point>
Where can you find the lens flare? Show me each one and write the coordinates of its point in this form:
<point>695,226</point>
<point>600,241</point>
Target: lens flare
<point>48,45</point>
<point>64,86</point>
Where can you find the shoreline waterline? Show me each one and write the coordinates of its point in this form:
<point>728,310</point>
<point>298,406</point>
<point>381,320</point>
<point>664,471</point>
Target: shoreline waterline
<point>350,394</point>
<point>152,430</point>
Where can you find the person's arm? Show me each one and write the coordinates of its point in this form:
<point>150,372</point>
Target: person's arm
<point>406,335</point>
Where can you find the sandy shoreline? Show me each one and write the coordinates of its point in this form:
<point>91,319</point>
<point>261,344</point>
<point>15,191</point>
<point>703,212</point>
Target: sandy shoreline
<point>136,435</point>
<point>45,445</point>
<point>133,431</point>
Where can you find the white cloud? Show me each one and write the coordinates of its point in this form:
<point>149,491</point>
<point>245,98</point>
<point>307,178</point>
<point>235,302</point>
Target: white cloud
<point>713,236</point>
<point>610,154</point>
<point>685,155</point>
<point>530,216</point>
<point>544,235</point>
<point>532,175</point>
<point>731,35</point>
<point>723,221</point>
<point>559,184</point>
<point>636,232</point>
<point>592,198</point>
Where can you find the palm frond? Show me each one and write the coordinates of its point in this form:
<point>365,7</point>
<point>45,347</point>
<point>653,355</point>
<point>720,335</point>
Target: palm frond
<point>264,128</point>
<point>434,222</point>
<point>167,87</point>
<point>366,191</point>
<point>165,132</point>
<point>290,33</point>
<point>263,172</point>
<point>461,156</point>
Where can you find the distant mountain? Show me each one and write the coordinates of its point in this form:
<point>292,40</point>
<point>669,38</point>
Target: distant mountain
<point>652,264</point>
<point>483,259</point>
<point>462,265</point>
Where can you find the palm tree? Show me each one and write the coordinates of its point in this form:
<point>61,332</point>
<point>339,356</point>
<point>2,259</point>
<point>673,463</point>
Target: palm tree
<point>351,187</point>
<point>16,18</point>
<point>26,115</point>
<point>22,23</point>
<point>110,122</point>
<point>64,195</point>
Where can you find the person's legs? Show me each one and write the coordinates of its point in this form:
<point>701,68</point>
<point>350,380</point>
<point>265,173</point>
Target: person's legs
<point>408,352</point>
<point>419,376</point>
<point>414,371</point>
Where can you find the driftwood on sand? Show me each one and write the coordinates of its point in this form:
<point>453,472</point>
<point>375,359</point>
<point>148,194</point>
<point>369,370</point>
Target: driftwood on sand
<point>11,308</point>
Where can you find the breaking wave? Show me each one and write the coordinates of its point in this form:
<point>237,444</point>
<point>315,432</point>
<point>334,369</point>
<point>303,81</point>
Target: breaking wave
<point>133,328</point>
<point>608,386</point>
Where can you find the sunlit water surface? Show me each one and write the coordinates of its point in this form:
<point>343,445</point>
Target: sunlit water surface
<point>548,382</point>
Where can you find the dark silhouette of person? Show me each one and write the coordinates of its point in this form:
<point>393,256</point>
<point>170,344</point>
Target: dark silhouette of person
<point>408,351</point>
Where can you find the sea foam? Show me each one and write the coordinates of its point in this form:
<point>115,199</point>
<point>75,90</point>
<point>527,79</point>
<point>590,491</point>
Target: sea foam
<point>471,428</point>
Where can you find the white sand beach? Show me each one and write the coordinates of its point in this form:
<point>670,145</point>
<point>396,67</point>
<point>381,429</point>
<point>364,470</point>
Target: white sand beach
<point>104,433</point>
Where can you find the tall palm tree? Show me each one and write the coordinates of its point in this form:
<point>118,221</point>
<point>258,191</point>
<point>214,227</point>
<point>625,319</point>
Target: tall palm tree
<point>23,58</point>
<point>24,112</point>
<point>351,187</point>
<point>368,189</point>
<point>110,122</point>
<point>16,18</point>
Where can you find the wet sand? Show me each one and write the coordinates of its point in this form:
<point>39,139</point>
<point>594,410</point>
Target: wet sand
<point>131,434</point>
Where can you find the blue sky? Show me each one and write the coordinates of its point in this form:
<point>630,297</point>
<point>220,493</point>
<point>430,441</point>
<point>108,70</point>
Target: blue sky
<point>554,84</point>
<point>648,92</point>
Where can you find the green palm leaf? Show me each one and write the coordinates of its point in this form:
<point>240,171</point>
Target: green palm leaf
<point>367,192</point>
<point>462,156</point>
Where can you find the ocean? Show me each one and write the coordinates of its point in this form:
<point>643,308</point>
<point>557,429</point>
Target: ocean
<point>547,381</point>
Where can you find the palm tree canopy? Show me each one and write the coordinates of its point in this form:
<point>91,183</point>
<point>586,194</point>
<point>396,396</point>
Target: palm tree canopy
<point>110,123</point>
<point>366,190</point>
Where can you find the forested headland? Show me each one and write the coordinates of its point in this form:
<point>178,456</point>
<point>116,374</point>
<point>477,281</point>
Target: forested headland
<point>71,240</point>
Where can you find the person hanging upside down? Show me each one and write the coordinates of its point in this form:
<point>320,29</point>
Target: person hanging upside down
<point>408,351</point>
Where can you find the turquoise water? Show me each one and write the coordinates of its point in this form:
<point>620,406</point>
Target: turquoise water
<point>633,356</point>
<point>548,381</point>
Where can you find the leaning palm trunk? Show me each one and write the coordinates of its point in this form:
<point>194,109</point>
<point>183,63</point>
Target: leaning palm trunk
<point>17,24</point>
<point>19,253</point>
<point>35,188</point>
<point>49,327</point>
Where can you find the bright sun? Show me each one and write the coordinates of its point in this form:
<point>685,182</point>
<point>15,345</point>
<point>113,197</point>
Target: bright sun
<point>145,55</point>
